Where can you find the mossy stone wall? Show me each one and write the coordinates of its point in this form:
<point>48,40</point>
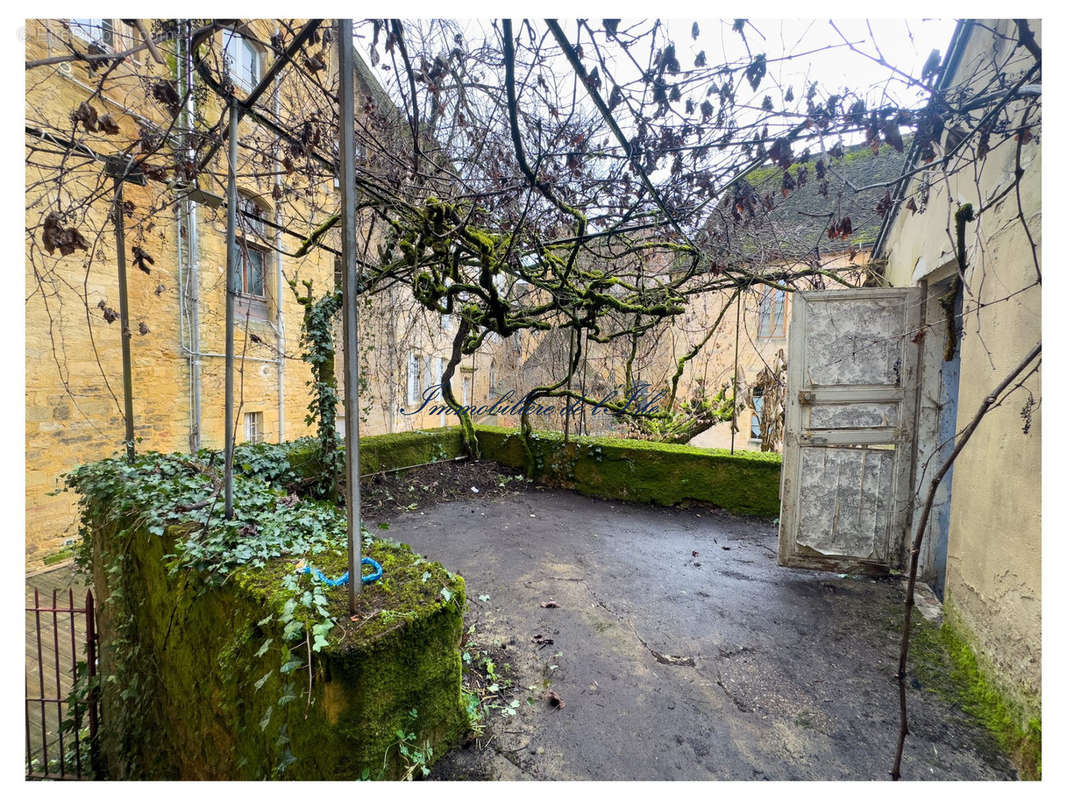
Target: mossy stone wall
<point>389,450</point>
<point>645,472</point>
<point>194,653</point>
<point>744,482</point>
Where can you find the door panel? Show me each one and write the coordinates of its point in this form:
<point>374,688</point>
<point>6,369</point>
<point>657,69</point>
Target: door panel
<point>850,415</point>
<point>844,506</point>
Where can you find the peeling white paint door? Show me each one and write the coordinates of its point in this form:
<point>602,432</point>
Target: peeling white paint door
<point>850,420</point>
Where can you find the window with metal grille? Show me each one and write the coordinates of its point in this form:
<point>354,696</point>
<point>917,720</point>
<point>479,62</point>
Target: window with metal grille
<point>414,388</point>
<point>254,426</point>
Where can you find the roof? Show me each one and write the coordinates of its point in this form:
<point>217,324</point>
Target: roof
<point>790,217</point>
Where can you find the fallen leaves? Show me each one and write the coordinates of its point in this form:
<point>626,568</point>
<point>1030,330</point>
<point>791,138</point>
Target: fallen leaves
<point>554,700</point>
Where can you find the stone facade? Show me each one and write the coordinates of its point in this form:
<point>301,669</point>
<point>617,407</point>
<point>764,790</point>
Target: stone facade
<point>73,355</point>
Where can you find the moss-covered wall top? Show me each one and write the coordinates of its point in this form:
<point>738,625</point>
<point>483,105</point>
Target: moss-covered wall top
<point>384,452</point>
<point>745,482</point>
<point>645,472</point>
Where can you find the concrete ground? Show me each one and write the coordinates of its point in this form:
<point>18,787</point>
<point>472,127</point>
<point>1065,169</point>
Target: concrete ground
<point>680,650</point>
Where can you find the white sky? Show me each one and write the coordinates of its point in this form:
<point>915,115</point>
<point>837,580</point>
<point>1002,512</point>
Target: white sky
<point>817,51</point>
<point>905,43</point>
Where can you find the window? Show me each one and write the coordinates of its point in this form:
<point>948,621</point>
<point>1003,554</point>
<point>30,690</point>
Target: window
<point>254,426</point>
<point>242,61</point>
<point>97,31</point>
<point>414,391</point>
<point>251,215</point>
<point>438,372</point>
<point>757,412</point>
<point>772,314</point>
<point>492,378</point>
<point>250,270</point>
<point>446,322</point>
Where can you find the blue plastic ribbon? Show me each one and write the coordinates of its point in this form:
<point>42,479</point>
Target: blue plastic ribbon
<point>317,573</point>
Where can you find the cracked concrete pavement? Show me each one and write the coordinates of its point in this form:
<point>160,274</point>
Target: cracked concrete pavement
<point>681,650</point>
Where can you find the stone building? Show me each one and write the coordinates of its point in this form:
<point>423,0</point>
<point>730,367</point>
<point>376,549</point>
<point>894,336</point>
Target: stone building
<point>177,302</point>
<point>790,232</point>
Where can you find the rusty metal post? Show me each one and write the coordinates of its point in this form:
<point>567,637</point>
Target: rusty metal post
<point>40,676</point>
<point>74,672</point>
<point>95,760</point>
<point>349,288</point>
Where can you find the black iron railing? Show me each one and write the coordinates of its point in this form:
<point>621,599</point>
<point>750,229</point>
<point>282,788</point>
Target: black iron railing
<point>62,692</point>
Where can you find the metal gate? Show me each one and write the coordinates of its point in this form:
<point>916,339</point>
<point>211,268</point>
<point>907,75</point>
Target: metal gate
<point>62,695</point>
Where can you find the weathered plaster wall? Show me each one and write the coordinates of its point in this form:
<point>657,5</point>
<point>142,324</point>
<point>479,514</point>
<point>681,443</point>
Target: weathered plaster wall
<point>993,581</point>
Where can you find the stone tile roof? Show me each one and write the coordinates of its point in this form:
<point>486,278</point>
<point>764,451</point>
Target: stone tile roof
<point>781,223</point>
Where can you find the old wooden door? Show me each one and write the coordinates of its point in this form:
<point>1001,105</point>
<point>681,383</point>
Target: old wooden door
<point>850,421</point>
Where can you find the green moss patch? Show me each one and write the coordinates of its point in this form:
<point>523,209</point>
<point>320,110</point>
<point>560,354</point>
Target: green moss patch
<point>645,472</point>
<point>745,482</point>
<point>945,663</point>
<point>384,452</point>
<point>410,586</point>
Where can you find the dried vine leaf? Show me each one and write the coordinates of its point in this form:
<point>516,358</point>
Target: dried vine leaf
<point>56,237</point>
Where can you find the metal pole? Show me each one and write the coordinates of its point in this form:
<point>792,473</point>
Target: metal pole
<point>124,320</point>
<point>231,289</point>
<point>737,340</point>
<point>351,321</point>
<point>193,247</point>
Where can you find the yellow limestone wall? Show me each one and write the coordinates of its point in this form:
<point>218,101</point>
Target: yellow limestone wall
<point>73,356</point>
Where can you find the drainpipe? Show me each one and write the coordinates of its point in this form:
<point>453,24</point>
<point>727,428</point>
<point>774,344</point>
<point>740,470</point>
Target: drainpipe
<point>193,249</point>
<point>279,329</point>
